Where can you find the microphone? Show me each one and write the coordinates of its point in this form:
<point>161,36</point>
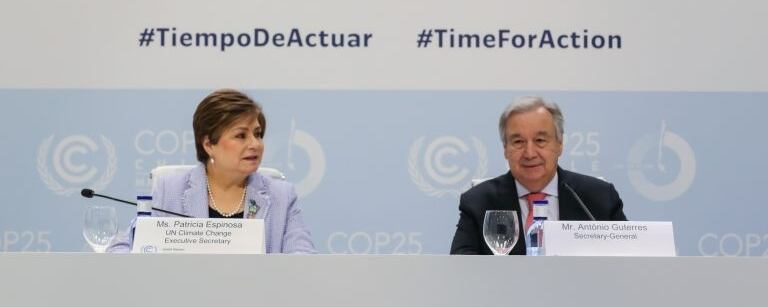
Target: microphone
<point>88,193</point>
<point>578,199</point>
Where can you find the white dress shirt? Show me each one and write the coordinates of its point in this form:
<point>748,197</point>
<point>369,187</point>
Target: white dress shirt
<point>553,210</point>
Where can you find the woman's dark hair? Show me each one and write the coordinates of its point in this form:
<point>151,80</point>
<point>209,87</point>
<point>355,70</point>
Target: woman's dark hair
<point>217,112</point>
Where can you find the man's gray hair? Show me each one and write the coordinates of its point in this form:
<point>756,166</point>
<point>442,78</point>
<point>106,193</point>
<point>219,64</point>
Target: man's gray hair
<point>527,104</point>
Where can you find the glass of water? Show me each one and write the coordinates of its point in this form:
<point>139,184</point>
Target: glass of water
<point>500,230</point>
<point>99,227</point>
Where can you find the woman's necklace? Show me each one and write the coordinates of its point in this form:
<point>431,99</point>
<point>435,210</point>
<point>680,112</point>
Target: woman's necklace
<point>213,202</point>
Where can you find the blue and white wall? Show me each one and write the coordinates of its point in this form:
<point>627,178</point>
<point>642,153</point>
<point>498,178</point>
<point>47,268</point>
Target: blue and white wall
<point>381,135</point>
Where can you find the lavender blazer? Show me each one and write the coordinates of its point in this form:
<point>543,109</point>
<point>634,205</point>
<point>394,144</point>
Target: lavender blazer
<point>187,193</point>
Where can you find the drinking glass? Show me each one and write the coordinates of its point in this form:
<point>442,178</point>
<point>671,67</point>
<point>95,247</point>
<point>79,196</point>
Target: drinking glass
<point>99,227</point>
<point>500,230</point>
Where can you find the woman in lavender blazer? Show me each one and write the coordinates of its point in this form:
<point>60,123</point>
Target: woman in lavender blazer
<point>229,129</point>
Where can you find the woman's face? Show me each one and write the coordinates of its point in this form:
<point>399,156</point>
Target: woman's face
<point>240,147</point>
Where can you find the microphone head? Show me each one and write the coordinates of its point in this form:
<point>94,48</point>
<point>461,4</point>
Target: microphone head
<point>87,193</point>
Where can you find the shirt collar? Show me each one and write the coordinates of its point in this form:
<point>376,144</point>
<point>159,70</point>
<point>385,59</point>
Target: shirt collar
<point>550,189</point>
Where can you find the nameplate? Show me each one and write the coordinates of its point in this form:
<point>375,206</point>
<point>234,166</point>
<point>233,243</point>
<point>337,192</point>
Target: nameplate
<point>198,235</point>
<point>583,238</point>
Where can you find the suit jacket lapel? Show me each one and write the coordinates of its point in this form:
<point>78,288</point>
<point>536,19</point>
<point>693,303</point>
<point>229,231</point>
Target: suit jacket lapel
<point>257,196</point>
<point>570,210</point>
<point>509,200</point>
<point>195,201</point>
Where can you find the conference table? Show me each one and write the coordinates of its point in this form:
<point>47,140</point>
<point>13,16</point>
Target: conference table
<point>85,279</point>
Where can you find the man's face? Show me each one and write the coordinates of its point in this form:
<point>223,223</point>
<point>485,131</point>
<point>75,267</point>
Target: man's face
<point>532,148</point>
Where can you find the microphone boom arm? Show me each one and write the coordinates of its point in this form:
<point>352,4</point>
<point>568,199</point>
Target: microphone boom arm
<point>88,193</point>
<point>581,203</point>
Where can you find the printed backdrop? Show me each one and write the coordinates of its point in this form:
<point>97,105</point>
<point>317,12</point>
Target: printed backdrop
<point>380,139</point>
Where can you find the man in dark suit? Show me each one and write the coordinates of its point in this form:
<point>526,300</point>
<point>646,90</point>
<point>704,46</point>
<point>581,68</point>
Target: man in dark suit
<point>531,130</point>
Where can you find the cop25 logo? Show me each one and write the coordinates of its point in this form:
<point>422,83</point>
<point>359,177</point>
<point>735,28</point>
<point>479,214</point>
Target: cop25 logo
<point>300,156</point>
<point>445,164</point>
<point>74,159</point>
<point>650,170</point>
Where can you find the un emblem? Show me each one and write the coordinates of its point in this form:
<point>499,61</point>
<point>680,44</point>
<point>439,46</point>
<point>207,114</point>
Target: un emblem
<point>446,164</point>
<point>74,165</point>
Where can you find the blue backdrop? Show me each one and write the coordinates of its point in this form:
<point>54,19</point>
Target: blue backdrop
<point>380,171</point>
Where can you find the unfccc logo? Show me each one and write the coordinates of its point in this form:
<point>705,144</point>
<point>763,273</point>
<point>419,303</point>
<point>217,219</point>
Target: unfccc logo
<point>148,249</point>
<point>73,164</point>
<point>440,160</point>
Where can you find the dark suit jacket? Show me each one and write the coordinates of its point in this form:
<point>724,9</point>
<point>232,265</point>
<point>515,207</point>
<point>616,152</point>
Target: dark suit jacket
<point>500,193</point>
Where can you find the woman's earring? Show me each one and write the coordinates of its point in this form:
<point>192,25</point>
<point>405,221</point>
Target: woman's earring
<point>212,160</point>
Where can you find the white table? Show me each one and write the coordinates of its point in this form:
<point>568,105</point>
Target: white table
<point>74,279</point>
